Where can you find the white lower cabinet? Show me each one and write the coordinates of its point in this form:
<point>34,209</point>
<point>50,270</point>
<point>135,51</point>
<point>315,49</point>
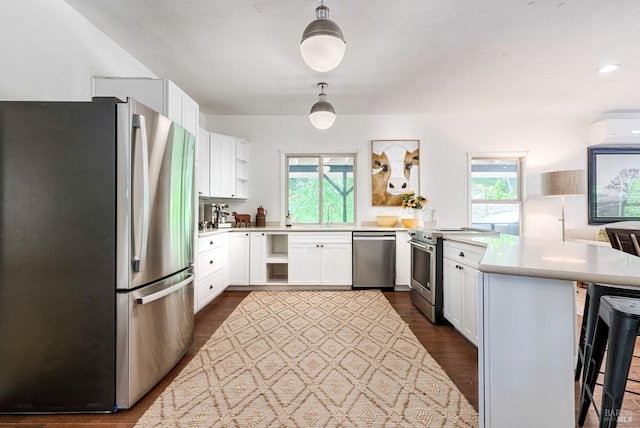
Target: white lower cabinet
<point>320,258</point>
<point>239,254</point>
<point>257,257</point>
<point>460,287</point>
<point>211,266</point>
<point>403,258</point>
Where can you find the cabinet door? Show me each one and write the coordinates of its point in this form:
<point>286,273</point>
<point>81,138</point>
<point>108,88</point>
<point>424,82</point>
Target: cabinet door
<point>403,258</point>
<point>181,108</point>
<point>257,259</point>
<point>222,165</point>
<point>239,246</point>
<point>452,291</point>
<point>469,319</point>
<point>336,265</point>
<point>304,264</point>
<point>448,276</point>
<point>204,185</point>
<point>227,167</point>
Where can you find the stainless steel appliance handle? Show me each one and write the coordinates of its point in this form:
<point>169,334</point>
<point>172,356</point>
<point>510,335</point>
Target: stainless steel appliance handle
<point>426,247</point>
<point>374,238</point>
<point>160,294</point>
<point>140,193</point>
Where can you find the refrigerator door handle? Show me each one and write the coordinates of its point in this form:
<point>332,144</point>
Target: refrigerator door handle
<point>160,294</point>
<point>140,193</point>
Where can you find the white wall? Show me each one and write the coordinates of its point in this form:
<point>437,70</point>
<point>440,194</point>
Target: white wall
<point>49,52</point>
<point>553,142</point>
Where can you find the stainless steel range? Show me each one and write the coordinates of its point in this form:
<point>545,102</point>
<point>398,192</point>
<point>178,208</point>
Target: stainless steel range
<point>426,268</point>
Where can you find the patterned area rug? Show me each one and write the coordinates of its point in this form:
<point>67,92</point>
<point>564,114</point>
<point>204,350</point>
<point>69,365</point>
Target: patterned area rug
<point>312,359</point>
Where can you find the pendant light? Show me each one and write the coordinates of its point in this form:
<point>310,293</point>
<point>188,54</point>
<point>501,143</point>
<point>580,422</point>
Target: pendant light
<point>322,114</point>
<point>322,44</point>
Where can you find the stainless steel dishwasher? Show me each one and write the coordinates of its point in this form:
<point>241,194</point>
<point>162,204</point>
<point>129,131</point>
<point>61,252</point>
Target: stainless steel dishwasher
<point>374,259</point>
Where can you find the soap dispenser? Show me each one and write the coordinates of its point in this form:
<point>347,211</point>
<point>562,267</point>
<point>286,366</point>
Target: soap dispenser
<point>289,220</point>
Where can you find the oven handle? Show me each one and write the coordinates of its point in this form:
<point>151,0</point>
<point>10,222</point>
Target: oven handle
<point>427,247</point>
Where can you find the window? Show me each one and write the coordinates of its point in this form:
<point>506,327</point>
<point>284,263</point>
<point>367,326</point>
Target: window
<point>321,188</point>
<point>496,192</point>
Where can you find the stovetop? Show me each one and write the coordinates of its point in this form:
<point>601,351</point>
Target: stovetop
<point>430,234</point>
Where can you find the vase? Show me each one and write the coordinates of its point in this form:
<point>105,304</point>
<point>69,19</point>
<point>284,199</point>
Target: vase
<point>410,218</point>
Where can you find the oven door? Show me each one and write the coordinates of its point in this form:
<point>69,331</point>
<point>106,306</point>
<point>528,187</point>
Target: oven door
<point>423,272</point>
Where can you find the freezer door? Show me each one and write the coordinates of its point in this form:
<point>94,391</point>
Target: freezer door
<point>154,330</point>
<point>57,242</point>
<point>156,196</point>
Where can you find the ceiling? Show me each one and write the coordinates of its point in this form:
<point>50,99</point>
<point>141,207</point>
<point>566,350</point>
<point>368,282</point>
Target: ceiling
<point>241,57</point>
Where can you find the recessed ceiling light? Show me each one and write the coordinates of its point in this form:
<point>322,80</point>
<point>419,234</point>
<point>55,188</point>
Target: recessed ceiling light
<point>608,68</point>
<point>635,131</point>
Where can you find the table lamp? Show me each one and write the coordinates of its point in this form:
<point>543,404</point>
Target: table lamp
<point>564,183</point>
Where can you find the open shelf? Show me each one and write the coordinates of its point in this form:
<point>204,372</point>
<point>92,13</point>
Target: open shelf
<point>277,273</point>
<point>277,248</point>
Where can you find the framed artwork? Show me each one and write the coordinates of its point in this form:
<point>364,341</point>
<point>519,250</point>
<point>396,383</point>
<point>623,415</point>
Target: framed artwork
<point>395,169</point>
<point>613,183</point>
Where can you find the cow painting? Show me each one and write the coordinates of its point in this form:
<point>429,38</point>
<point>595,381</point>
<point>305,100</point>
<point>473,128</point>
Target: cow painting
<point>395,170</point>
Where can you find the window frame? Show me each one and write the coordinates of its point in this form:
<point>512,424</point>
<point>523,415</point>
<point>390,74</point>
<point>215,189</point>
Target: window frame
<point>321,156</point>
<point>521,159</point>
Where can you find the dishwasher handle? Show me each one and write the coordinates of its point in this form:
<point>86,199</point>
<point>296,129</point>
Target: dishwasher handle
<point>374,238</point>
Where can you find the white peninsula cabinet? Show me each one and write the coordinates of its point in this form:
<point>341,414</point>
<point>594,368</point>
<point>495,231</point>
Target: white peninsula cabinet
<point>162,95</point>
<point>322,258</point>
<point>211,267</point>
<point>460,287</point>
<point>223,166</point>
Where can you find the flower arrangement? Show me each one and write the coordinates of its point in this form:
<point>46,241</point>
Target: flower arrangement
<point>410,200</point>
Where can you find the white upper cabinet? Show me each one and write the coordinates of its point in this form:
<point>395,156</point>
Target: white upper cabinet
<point>226,174</point>
<point>162,95</point>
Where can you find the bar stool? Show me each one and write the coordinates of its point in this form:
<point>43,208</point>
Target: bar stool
<point>618,324</point>
<point>590,316</point>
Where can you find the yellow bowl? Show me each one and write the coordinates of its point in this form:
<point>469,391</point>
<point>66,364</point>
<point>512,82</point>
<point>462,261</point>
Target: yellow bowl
<point>387,220</point>
<point>409,223</point>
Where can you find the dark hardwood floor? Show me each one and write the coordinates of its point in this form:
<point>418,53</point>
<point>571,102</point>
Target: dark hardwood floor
<point>454,353</point>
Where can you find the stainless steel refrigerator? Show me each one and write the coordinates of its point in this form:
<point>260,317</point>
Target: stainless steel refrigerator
<point>96,253</point>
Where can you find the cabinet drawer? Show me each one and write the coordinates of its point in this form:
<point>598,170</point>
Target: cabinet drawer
<point>206,243</point>
<point>209,287</point>
<point>469,255</point>
<point>320,238</point>
<point>209,262</point>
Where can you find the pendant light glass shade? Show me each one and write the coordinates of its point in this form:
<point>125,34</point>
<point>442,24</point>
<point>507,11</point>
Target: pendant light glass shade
<point>322,114</point>
<point>322,46</point>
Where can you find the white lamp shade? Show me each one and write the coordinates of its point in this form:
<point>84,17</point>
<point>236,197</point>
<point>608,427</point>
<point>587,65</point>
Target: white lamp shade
<point>564,183</point>
<point>323,52</point>
<point>322,119</point>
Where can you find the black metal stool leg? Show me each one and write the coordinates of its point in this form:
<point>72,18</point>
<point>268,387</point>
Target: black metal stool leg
<point>582,340</point>
<point>592,368</point>
<point>617,370</point>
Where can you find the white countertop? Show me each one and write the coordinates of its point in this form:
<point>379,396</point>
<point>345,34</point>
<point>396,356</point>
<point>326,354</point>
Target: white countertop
<point>542,258</point>
<point>373,226</point>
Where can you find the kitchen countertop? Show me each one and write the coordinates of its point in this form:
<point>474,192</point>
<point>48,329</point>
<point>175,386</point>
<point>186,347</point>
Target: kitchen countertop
<point>543,258</point>
<point>365,226</point>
